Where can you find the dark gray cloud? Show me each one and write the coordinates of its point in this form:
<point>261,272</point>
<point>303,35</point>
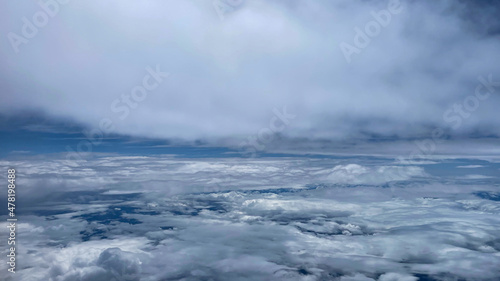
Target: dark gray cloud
<point>226,77</point>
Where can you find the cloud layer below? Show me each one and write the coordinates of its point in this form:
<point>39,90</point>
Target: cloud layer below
<point>166,218</point>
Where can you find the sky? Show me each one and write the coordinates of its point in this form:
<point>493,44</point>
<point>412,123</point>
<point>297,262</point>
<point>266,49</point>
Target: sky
<point>241,140</point>
<point>224,75</point>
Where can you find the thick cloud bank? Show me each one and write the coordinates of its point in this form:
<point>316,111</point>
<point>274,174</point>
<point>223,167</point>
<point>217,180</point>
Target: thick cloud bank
<point>343,219</point>
<point>174,69</point>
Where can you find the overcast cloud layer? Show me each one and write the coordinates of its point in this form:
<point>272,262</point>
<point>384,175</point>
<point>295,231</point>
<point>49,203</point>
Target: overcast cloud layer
<point>227,76</point>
